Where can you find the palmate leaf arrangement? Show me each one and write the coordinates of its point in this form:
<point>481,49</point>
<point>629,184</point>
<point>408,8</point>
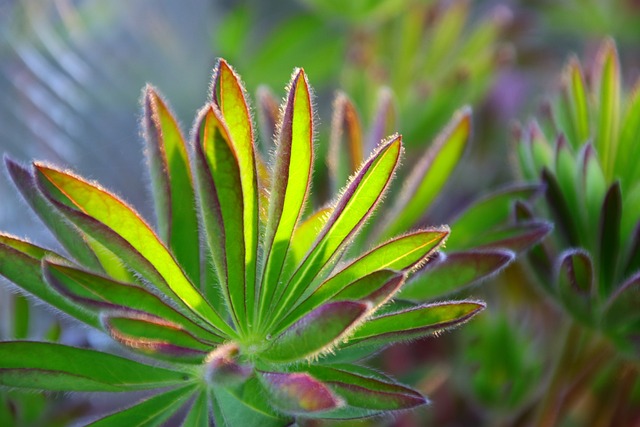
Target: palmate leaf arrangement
<point>240,302</point>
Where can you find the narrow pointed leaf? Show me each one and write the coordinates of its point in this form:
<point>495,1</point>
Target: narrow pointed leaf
<point>317,332</point>
<point>299,393</point>
<point>229,96</point>
<point>115,225</point>
<point>566,173</point>
<point>400,254</point>
<point>414,323</point>
<point>560,209</point>
<point>518,237</point>
<point>55,367</point>
<point>268,114</point>
<point>222,210</point>
<point>366,391</point>
<point>155,336</point>
<point>384,122</point>
<point>20,263</point>
<point>577,99</point>
<point>376,288</point>
<point>575,283</point>
<point>198,415</point>
<point>153,411</point>
<point>102,294</point>
<point>305,235</point>
<point>346,142</point>
<point>486,213</point>
<point>594,186</point>
<point>172,183</point>
<point>608,100</point>
<point>609,238</point>
<point>430,175</point>
<point>629,134</point>
<point>290,184</point>
<point>356,204</point>
<point>622,307</point>
<point>68,235</point>
<point>454,271</point>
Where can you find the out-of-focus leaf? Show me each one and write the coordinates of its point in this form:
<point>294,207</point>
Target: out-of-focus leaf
<point>487,213</point>
<point>20,317</point>
<point>346,143</point>
<point>103,294</point>
<point>317,332</point>
<point>576,97</point>
<point>566,175</point>
<point>20,263</point>
<point>366,391</point>
<point>384,122</point>
<point>575,282</point>
<point>414,323</point>
<point>198,415</point>
<point>290,186</point>
<point>452,272</point>
<point>430,174</point>
<point>153,411</point>
<point>115,225</point>
<point>155,336</point>
<point>268,115</point>
<point>172,183</point>
<point>622,307</point>
<point>356,204</point>
<point>228,94</point>
<point>559,208</point>
<point>593,187</point>
<point>518,237</point>
<point>299,393</point>
<point>55,367</point>
<point>540,148</point>
<point>629,134</point>
<point>399,254</point>
<point>609,238</point>
<point>607,83</point>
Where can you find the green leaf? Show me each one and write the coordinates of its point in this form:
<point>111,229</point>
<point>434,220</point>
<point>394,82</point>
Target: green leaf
<point>607,82</point>
<point>366,391</point>
<point>628,149</point>
<point>346,142</point>
<point>559,208</point>
<point>455,271</point>
<point>20,263</point>
<point>119,228</point>
<point>517,237</point>
<point>401,254</point>
<point>172,183</point>
<point>103,294</point>
<point>352,209</point>
<point>414,323</point>
<point>305,235</point>
<point>155,336</point>
<point>198,415</point>
<point>289,186</point>
<point>299,393</point>
<point>376,288</point>
<point>153,411</point>
<point>576,97</point>
<point>222,209</point>
<point>621,309</point>
<point>69,236</point>
<point>317,332</point>
<point>20,317</point>
<point>609,239</point>
<point>228,94</point>
<point>593,187</point>
<point>430,175</point>
<point>55,367</point>
<point>385,119</point>
<point>487,213</point>
<point>566,168</point>
<point>575,283</point>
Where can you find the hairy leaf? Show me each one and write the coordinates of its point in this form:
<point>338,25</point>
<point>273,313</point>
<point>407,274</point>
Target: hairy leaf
<point>299,393</point>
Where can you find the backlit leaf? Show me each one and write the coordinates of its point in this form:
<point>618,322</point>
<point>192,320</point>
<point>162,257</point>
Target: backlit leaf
<point>346,142</point>
<point>299,393</point>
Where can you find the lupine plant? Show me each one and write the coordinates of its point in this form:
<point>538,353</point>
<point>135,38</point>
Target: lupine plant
<point>586,152</point>
<point>239,306</point>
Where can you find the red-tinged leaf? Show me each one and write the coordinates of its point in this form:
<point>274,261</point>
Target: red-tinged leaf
<point>575,283</point>
<point>384,122</point>
<point>366,391</point>
<point>518,237</point>
<point>452,272</point>
<point>621,308</point>
<point>222,210</point>
<point>299,393</point>
<point>317,332</point>
<point>414,323</point>
<point>172,183</point>
<point>153,411</point>
<point>487,213</point>
<point>268,115</point>
<point>430,175</point>
<point>20,263</point>
<point>154,336</point>
<point>55,367</point>
<point>401,254</point>
<point>103,294</point>
<point>376,288</point>
<point>69,236</point>
<point>229,95</point>
<point>609,239</point>
<point>346,142</point>
<point>607,83</point>
<point>353,208</point>
<point>289,186</point>
<point>120,229</point>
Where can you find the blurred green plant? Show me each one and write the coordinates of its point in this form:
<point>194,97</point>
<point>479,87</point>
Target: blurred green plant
<point>242,306</point>
<point>585,151</point>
